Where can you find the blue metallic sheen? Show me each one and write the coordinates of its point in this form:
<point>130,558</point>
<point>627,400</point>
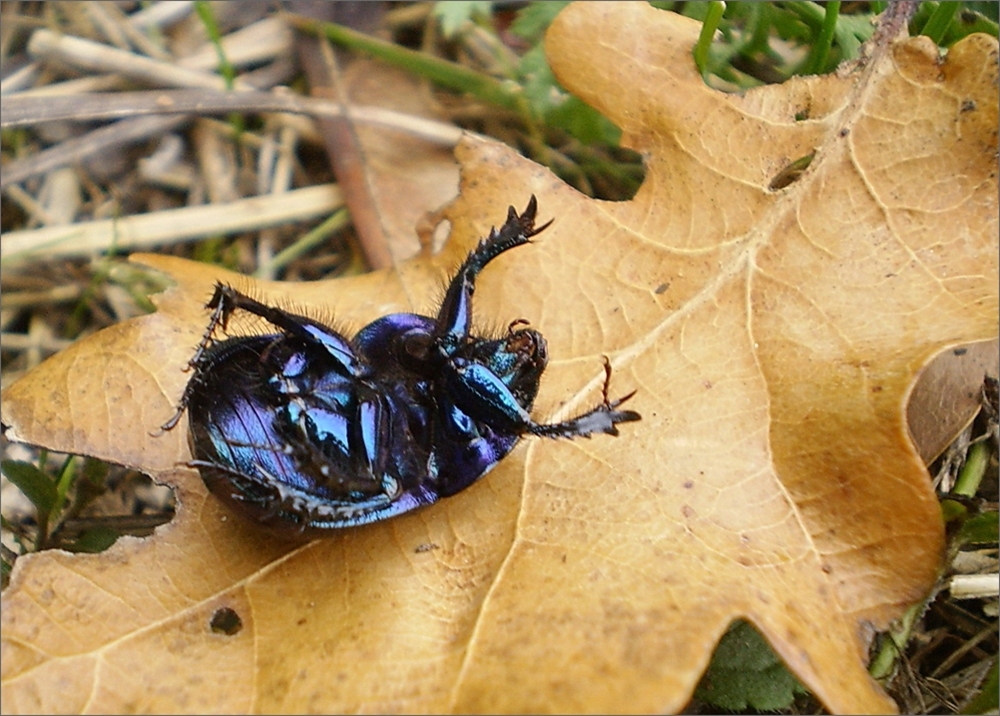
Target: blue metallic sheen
<point>305,430</point>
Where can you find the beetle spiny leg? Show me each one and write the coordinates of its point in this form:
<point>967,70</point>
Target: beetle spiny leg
<point>220,316</point>
<point>602,419</point>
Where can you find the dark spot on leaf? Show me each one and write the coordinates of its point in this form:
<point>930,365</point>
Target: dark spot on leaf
<point>791,173</point>
<point>226,621</point>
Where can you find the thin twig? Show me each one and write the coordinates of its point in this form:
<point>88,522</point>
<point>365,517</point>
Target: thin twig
<point>171,226</point>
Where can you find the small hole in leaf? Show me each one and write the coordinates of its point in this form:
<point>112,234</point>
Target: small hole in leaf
<point>226,621</point>
<point>791,173</point>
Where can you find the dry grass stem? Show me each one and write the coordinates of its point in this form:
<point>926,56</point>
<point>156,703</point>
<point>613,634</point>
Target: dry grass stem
<point>171,226</point>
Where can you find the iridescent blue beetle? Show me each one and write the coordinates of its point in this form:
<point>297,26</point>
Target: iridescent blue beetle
<point>304,430</point>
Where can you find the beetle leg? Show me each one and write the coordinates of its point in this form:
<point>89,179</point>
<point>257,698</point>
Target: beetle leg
<point>602,419</point>
<point>227,299</point>
<point>477,390</point>
<point>379,430</point>
<point>455,317</point>
<point>220,315</point>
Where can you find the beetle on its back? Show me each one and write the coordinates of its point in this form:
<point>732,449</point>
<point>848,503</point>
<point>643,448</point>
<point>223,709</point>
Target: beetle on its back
<point>305,430</point>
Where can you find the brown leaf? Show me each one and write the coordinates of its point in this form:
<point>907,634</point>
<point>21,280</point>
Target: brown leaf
<point>948,395</point>
<point>773,337</point>
<point>406,176</point>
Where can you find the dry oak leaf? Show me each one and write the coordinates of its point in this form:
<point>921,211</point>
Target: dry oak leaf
<point>949,396</point>
<point>773,336</point>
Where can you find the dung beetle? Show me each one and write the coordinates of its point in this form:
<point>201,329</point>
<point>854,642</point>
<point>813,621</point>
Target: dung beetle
<point>304,430</point>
